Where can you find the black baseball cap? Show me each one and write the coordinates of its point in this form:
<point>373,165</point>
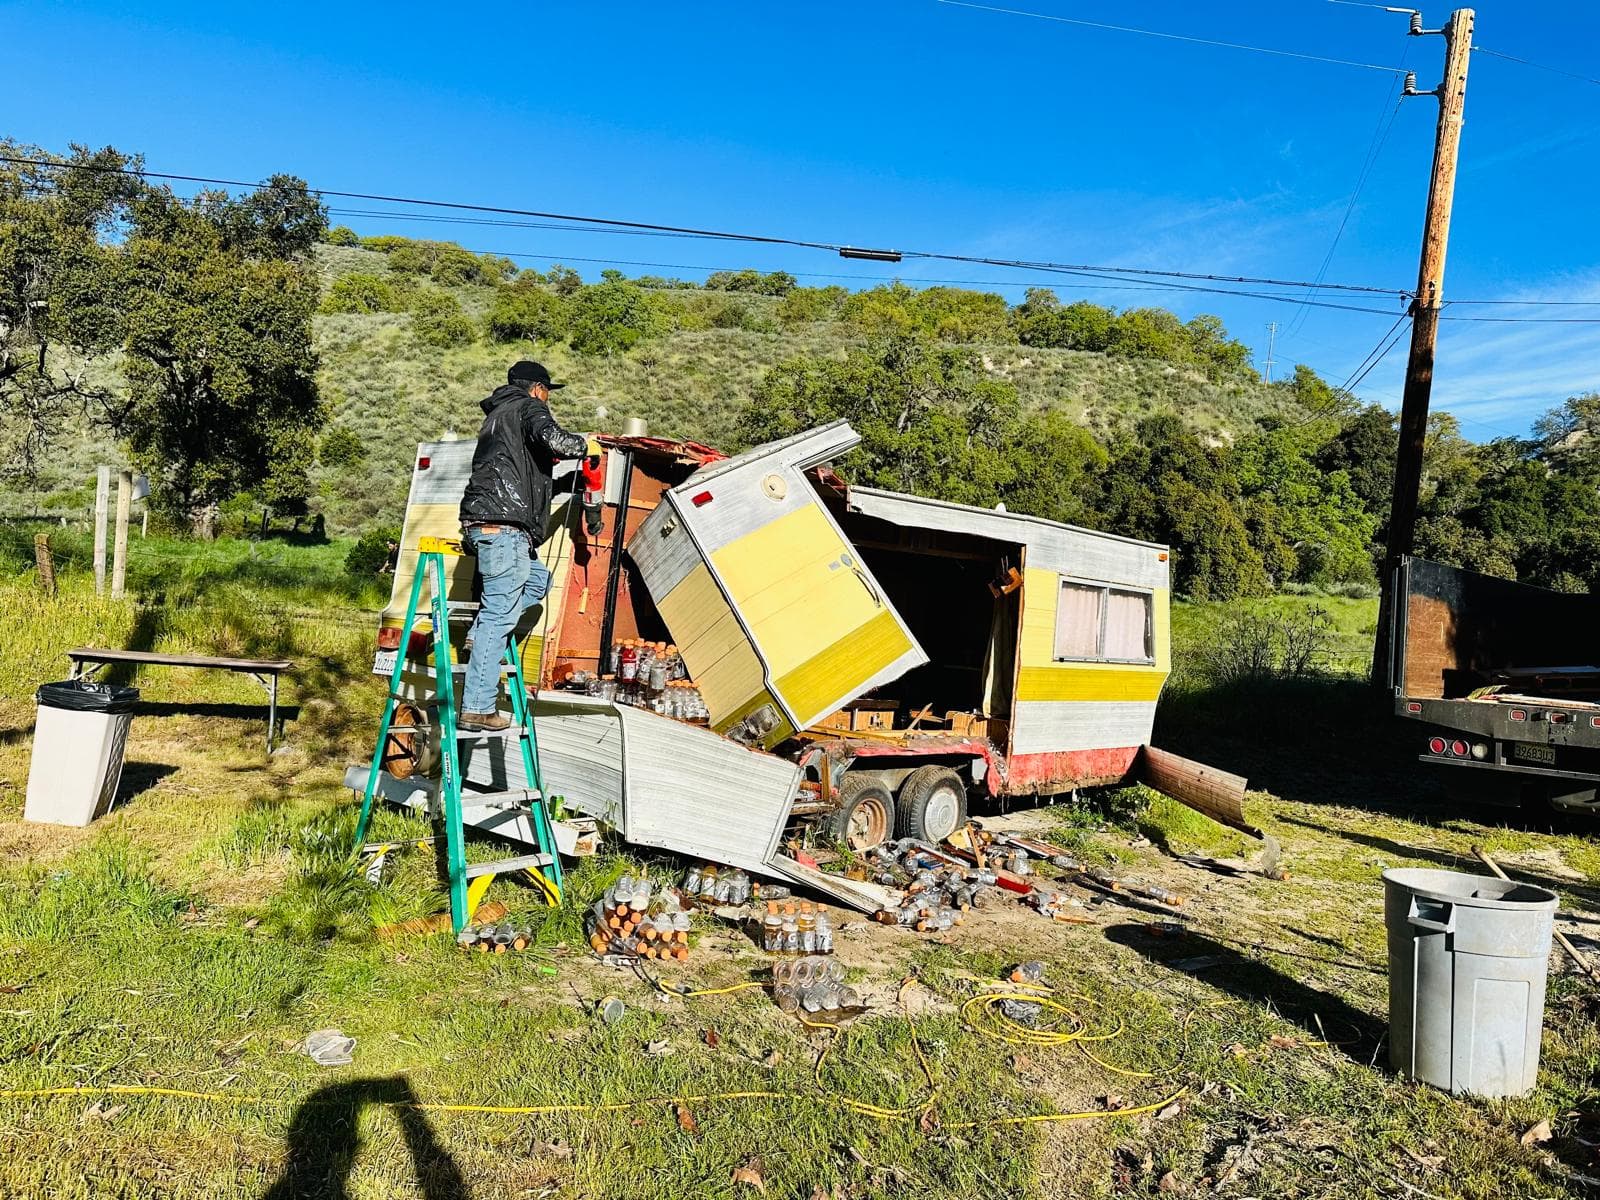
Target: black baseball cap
<point>526,373</point>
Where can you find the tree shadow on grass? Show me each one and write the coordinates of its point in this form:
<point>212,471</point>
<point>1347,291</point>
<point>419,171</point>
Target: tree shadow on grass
<point>324,1138</point>
<point>1323,1017</point>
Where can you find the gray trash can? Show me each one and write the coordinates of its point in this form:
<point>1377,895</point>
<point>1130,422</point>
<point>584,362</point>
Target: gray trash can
<point>1468,958</point>
<point>78,744</point>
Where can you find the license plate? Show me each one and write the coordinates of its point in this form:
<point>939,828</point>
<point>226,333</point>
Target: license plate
<point>383,662</point>
<point>1532,752</point>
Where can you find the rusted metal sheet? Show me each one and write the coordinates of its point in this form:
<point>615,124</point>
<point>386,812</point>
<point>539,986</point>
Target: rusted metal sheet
<point>1062,770</point>
<point>1217,794</point>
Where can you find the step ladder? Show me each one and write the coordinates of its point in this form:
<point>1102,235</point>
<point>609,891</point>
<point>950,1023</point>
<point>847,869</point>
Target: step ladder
<point>469,882</point>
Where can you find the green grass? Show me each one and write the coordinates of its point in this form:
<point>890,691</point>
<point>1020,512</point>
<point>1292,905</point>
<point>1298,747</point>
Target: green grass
<point>193,937</point>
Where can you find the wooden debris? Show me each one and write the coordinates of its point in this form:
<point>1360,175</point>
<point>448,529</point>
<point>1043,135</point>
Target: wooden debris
<point>487,913</point>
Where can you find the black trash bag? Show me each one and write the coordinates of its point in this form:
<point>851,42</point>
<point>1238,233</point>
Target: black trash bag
<point>84,695</point>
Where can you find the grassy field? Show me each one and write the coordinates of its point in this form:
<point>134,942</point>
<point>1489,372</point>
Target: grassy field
<point>192,939</point>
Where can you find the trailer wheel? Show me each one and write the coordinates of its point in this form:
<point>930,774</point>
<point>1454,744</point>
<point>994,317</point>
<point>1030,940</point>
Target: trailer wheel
<point>932,804</point>
<point>866,813</point>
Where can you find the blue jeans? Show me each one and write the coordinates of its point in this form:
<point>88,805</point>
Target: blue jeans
<point>514,580</point>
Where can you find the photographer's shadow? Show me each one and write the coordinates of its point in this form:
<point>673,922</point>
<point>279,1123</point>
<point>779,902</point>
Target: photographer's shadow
<point>324,1137</point>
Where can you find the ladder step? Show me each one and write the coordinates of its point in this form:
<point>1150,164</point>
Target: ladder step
<point>515,798</point>
<point>520,863</point>
<point>510,731</point>
<point>461,669</point>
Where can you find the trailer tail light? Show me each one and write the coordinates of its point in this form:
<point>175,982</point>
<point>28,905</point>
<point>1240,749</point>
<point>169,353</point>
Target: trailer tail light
<point>424,463</point>
<point>1436,745</point>
<point>1519,714</point>
<point>1414,707</point>
<point>1558,718</point>
<point>1594,722</point>
<point>701,499</point>
<point>389,638</point>
<point>1458,748</point>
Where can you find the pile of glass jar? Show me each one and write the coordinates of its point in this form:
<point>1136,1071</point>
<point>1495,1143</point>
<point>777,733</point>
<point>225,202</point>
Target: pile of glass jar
<point>812,985</point>
<point>717,885</point>
<point>796,927</point>
<point>495,939</point>
<point>649,675</point>
<point>631,918</point>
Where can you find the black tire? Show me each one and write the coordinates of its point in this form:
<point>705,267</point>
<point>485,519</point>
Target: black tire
<point>865,817</point>
<point>932,804</point>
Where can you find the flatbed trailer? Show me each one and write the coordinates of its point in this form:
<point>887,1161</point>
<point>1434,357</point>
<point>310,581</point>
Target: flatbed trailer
<point>1501,679</point>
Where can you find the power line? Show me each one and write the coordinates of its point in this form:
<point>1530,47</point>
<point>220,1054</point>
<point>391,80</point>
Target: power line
<point>611,225</point>
<point>1564,303</point>
<point>1368,365</point>
<point>1537,66</point>
<point>1380,138</point>
<point>1527,320</point>
<point>1367,4</point>
<point>1362,370</point>
<point>1174,37</point>
<point>1121,285</point>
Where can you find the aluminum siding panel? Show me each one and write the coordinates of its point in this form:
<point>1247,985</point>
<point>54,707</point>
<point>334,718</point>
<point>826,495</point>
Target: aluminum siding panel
<point>1045,726</point>
<point>690,790</point>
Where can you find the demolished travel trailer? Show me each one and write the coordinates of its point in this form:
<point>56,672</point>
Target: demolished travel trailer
<point>750,644</point>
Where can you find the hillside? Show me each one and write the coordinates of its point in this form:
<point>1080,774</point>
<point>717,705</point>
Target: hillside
<point>390,388</point>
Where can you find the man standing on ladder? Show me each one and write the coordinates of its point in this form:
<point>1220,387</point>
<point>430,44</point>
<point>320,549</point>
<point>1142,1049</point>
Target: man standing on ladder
<point>503,516</point>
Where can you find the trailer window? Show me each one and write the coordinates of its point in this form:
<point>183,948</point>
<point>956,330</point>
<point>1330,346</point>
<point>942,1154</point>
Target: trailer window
<point>1098,623</point>
<point>1129,636</point>
<point>1079,617</point>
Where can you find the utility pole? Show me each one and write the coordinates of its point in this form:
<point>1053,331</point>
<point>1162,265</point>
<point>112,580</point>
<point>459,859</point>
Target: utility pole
<point>1272,338</point>
<point>1452,96</point>
<point>102,498</point>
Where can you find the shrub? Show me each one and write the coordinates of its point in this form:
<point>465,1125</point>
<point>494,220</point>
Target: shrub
<point>341,447</point>
<point>610,317</point>
<point>342,235</point>
<point>362,293</point>
<point>371,552</point>
<point>437,319</point>
<point>774,283</point>
<point>454,267</point>
<point>1253,644</point>
<point>526,312</point>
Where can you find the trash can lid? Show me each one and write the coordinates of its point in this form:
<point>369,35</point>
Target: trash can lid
<point>1475,891</point>
<point>84,695</point>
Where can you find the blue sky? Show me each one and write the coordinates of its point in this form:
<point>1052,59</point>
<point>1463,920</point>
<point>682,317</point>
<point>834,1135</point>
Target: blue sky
<point>903,123</point>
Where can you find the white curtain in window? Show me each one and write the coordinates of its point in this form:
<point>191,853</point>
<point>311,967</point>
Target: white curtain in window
<point>1128,626</point>
<point>1078,622</point>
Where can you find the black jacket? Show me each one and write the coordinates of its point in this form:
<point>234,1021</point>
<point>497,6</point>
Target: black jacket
<point>513,465</point>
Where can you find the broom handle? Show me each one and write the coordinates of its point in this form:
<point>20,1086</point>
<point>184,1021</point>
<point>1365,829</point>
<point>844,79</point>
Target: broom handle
<point>1572,951</point>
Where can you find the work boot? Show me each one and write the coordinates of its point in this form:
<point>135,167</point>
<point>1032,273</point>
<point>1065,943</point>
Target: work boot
<point>484,722</point>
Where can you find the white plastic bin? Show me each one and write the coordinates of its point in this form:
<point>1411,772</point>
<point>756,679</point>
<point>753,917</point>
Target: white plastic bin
<point>78,743</point>
<point>1468,958</point>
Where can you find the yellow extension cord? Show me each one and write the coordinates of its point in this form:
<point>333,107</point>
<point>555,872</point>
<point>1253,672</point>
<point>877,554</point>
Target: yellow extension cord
<point>981,1013</point>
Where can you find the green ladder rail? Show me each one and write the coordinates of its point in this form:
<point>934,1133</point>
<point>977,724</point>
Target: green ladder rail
<point>468,881</point>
